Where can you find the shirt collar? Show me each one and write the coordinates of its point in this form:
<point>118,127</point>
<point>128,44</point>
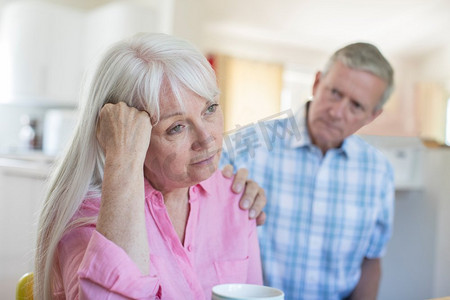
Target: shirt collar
<point>349,146</point>
<point>300,120</point>
<point>208,184</point>
<point>205,185</point>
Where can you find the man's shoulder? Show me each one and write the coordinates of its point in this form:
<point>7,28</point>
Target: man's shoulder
<point>364,151</point>
<point>363,146</point>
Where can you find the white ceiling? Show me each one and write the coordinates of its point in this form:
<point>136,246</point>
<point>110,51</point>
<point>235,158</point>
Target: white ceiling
<point>398,27</point>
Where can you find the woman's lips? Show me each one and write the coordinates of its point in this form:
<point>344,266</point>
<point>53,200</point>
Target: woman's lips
<point>205,160</point>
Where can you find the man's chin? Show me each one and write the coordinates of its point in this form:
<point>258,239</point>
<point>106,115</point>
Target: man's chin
<point>327,142</point>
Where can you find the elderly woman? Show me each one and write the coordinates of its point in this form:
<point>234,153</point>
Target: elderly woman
<point>137,208</point>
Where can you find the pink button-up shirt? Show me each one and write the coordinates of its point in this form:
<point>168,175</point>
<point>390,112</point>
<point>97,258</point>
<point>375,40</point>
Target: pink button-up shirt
<point>220,246</point>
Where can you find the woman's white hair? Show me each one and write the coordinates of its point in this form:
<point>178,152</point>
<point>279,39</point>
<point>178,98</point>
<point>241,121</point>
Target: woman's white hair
<point>136,71</point>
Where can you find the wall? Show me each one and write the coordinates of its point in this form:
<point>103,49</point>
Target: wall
<point>434,79</point>
<point>407,268</point>
<point>188,18</point>
<point>435,65</point>
<point>399,115</point>
<point>437,195</point>
<point>431,114</point>
<point>256,99</point>
<point>115,21</point>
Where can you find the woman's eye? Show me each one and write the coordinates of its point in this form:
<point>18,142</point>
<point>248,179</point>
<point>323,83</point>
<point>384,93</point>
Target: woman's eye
<point>212,108</point>
<point>175,129</point>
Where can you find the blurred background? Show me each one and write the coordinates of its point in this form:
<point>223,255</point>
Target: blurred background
<point>265,54</point>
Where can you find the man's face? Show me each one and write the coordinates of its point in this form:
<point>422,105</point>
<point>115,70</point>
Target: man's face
<point>345,100</point>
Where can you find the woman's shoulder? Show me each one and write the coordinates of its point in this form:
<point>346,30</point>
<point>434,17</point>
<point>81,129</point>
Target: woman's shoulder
<point>220,186</point>
<point>221,198</point>
<point>90,206</point>
<point>83,222</point>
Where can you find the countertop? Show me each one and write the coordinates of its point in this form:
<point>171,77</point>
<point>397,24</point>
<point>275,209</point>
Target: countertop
<point>32,163</point>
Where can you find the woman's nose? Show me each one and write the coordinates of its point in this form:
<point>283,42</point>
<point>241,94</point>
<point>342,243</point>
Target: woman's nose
<point>202,139</point>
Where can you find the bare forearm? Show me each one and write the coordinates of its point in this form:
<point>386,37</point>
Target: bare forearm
<point>367,287</point>
<point>122,218</point>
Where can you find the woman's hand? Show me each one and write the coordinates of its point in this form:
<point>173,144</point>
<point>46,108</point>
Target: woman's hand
<point>124,132</point>
<point>124,135</point>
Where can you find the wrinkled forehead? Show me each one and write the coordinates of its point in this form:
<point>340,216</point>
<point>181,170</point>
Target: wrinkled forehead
<point>178,101</point>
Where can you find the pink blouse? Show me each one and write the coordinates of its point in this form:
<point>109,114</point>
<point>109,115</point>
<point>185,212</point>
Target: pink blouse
<point>220,246</point>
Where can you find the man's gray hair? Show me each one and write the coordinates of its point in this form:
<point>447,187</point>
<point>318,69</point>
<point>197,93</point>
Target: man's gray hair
<point>365,57</point>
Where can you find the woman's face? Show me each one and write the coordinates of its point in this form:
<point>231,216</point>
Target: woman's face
<point>185,144</point>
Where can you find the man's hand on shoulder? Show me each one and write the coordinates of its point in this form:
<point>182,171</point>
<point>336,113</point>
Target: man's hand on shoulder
<point>253,198</point>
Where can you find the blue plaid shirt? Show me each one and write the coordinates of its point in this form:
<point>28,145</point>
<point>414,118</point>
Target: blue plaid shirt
<point>325,213</point>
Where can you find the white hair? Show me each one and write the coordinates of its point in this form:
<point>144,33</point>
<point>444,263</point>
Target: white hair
<point>135,71</point>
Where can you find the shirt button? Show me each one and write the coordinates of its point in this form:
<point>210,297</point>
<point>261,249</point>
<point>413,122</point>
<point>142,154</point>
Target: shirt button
<point>189,248</point>
<point>194,189</point>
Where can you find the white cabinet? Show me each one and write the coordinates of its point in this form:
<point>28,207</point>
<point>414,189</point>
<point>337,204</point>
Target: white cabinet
<point>406,155</point>
<point>118,20</point>
<point>45,48</point>
<point>41,54</point>
<point>21,195</point>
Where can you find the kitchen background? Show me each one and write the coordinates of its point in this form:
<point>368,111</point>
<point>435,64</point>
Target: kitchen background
<point>266,54</point>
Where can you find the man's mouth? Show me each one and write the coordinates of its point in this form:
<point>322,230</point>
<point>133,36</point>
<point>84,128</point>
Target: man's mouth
<point>330,126</point>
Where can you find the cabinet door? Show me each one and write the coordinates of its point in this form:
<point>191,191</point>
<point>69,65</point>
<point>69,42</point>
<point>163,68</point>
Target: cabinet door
<point>115,21</point>
<point>41,51</point>
<point>20,199</point>
<point>63,60</point>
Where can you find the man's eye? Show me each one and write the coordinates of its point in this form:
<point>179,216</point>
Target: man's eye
<point>175,129</point>
<point>335,93</point>
<point>356,105</point>
<point>212,108</point>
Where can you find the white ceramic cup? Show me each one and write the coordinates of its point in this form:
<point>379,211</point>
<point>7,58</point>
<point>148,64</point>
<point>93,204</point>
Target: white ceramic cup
<point>239,291</point>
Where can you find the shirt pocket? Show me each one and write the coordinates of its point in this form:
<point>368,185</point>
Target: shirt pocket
<point>232,271</point>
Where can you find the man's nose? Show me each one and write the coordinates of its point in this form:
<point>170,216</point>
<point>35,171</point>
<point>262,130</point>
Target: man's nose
<point>338,108</point>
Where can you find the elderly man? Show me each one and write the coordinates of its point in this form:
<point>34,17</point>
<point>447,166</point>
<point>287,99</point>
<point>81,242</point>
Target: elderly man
<point>329,194</point>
